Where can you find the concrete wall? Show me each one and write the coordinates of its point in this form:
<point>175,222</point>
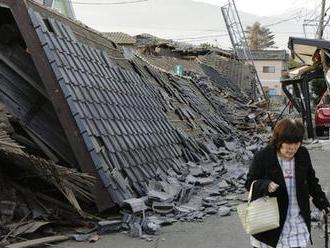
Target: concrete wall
<point>271,80</point>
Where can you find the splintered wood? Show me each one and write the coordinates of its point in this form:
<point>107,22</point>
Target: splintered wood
<point>7,142</point>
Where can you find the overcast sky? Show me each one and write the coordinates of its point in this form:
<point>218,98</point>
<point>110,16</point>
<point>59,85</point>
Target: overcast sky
<point>195,21</point>
<point>264,7</point>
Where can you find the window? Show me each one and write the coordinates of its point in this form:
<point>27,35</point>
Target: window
<point>272,92</point>
<point>268,69</point>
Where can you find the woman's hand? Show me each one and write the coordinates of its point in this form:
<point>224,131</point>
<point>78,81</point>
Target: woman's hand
<point>272,187</point>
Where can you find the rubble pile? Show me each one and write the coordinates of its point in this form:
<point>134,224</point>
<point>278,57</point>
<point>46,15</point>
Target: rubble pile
<point>86,133</point>
<point>234,70</point>
<point>36,192</point>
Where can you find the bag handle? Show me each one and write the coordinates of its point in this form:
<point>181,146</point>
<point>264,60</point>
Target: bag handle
<point>250,192</point>
<point>325,216</point>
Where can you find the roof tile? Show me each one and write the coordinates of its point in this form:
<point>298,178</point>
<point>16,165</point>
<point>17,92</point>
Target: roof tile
<point>118,116</point>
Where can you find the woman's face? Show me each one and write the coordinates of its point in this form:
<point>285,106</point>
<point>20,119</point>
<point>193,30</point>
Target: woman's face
<point>288,150</point>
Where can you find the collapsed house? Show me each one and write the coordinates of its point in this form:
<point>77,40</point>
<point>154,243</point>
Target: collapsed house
<point>119,118</point>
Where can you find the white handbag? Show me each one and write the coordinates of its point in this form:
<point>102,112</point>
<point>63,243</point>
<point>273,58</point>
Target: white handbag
<point>259,215</point>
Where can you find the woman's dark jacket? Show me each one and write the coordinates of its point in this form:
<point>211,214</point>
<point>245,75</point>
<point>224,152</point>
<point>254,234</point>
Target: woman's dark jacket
<point>266,168</point>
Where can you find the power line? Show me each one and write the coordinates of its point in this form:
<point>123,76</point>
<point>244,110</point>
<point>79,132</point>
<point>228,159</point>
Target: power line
<point>281,21</point>
<point>293,6</point>
<point>186,29</point>
<point>314,13</point>
<point>195,40</point>
<point>167,28</point>
<point>316,20</point>
<point>298,15</point>
<point>111,3</point>
<point>198,40</point>
<point>199,37</point>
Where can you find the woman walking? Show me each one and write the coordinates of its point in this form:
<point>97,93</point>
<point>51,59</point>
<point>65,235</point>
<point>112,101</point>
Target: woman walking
<point>284,170</point>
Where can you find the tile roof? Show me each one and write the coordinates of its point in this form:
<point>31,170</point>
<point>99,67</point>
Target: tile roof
<point>269,54</point>
<point>148,39</point>
<point>117,114</point>
<point>168,63</point>
<point>234,70</point>
<point>120,38</point>
<point>189,108</point>
<point>83,33</point>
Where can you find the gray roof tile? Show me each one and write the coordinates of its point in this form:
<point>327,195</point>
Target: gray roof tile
<point>269,54</point>
<point>115,111</point>
<point>120,38</point>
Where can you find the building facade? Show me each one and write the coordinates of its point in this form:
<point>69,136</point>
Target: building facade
<point>270,65</point>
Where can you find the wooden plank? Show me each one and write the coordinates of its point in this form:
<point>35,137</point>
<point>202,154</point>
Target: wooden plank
<point>35,242</point>
<point>33,112</point>
<point>19,62</point>
<point>15,87</point>
<point>42,145</point>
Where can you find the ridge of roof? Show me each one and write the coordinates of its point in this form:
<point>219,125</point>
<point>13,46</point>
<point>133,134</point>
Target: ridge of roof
<point>269,54</point>
<point>120,38</point>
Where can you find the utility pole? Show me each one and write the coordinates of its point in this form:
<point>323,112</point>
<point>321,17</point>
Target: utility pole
<point>321,26</point>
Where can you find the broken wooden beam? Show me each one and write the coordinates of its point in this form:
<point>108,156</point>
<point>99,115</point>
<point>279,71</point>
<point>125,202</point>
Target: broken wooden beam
<point>34,242</point>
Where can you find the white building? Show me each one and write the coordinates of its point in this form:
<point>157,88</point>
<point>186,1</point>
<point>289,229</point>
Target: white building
<point>270,65</point>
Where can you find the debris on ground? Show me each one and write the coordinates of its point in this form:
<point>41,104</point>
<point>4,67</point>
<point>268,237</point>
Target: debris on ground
<point>93,142</point>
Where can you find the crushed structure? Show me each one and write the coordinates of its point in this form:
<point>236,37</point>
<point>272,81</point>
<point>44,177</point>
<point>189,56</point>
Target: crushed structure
<point>120,119</point>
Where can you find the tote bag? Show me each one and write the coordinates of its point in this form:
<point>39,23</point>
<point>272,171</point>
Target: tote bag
<point>259,215</point>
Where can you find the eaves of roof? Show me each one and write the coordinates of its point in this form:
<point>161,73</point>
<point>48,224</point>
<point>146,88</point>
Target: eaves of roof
<point>269,54</point>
